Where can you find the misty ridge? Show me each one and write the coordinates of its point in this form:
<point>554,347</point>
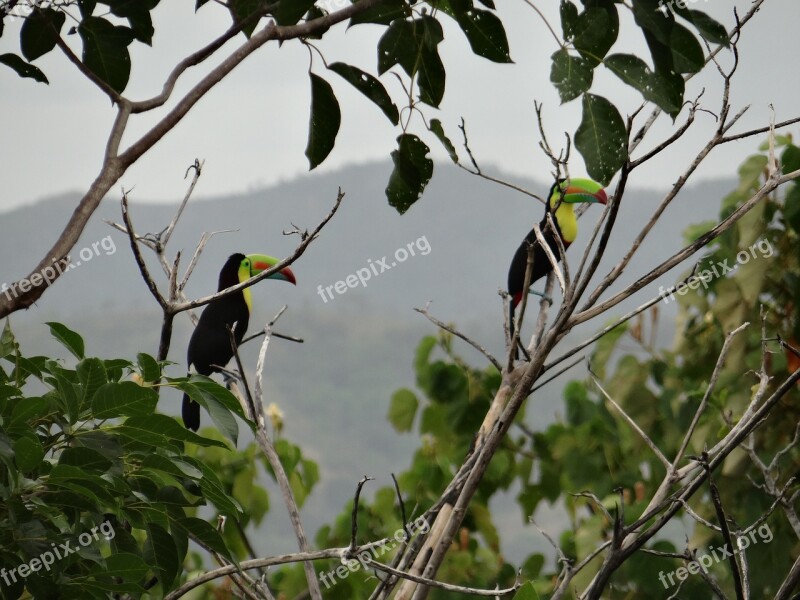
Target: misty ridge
<point>359,343</point>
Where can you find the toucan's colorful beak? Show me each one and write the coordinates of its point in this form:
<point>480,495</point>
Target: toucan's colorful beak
<point>262,262</point>
<point>583,190</point>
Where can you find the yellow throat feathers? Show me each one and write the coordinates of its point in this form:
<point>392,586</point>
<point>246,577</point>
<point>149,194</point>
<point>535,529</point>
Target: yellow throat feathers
<point>567,222</point>
<point>244,275</point>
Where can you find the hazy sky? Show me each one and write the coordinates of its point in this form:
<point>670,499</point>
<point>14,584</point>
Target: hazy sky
<point>252,128</point>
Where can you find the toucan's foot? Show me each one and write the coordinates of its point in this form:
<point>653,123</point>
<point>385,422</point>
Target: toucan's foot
<point>541,295</point>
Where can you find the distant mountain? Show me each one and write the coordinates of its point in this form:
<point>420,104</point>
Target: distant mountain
<point>359,345</point>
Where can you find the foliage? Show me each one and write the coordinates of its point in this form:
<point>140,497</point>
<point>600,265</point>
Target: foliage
<point>409,47</point>
<point>89,465</point>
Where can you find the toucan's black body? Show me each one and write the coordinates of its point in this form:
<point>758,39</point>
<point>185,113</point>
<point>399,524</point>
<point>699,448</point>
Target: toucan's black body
<point>210,343</point>
<point>541,264</point>
<point>561,198</point>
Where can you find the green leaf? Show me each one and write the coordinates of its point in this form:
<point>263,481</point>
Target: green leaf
<point>28,452</point>
<point>160,431</point>
<point>161,553</point>
<point>569,18</point>
<point>635,72</point>
<point>402,409</point>
<point>790,159</point>
<point>85,458</point>
<point>126,566</point>
<point>485,34</point>
<point>792,208</point>
<point>324,121</point>
<point>601,138</point>
<point>398,46</point>
<point>39,32</point>
<point>220,403</point>
<point>595,32</point>
<point>710,29</point>
<point>137,12</point>
<point>369,86</point>
<point>68,338</point>
<point>22,68</point>
<point>91,374</point>
<point>383,14</point>
<point>437,130</point>
<point>526,592</point>
<point>206,534</point>
<point>241,10</point>
<point>571,75</point>
<point>687,53</point>
<point>430,77</point>
<point>123,398</point>
<point>105,51</point>
<point>148,367</point>
<point>289,12</point>
<point>412,172</point>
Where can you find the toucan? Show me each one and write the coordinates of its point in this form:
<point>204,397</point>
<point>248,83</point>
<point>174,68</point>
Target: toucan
<point>563,195</point>
<point>210,344</point>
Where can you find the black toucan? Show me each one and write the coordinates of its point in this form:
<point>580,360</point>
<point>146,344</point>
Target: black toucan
<point>210,343</point>
<point>568,192</point>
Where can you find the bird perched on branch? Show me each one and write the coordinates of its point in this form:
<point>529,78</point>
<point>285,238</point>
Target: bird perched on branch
<point>210,344</point>
<point>563,195</point>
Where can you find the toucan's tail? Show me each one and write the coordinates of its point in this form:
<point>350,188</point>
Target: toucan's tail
<point>191,413</point>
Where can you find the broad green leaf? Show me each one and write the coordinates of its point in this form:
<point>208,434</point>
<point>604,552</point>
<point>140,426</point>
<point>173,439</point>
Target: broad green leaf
<point>138,15</point>
<point>398,46</point>
<point>601,138</point>
<point>526,592</point>
<point>650,17</point>
<point>160,431</point>
<point>148,366</point>
<point>87,7</point>
<point>635,72</point>
<point>84,458</point>
<point>206,534</point>
<point>128,567</point>
<point>245,10</point>
<point>23,68</point>
<point>27,410</point>
<point>430,77</point>
<point>123,398</point>
<point>369,86</point>
<point>161,553</point>
<point>220,403</point>
<point>39,32</point>
<point>571,75</point>
<point>485,34</point>
<point>323,122</point>
<point>402,409</point>
<point>790,159</point>
<point>595,32</point>
<point>709,28</point>
<point>105,51</point>
<point>383,14</point>
<point>91,374</point>
<point>412,172</point>
<point>70,340</point>
<point>687,53</point>
<point>290,12</point>
<point>792,209</point>
<point>437,130</point>
<point>28,452</point>
<point>569,18</point>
